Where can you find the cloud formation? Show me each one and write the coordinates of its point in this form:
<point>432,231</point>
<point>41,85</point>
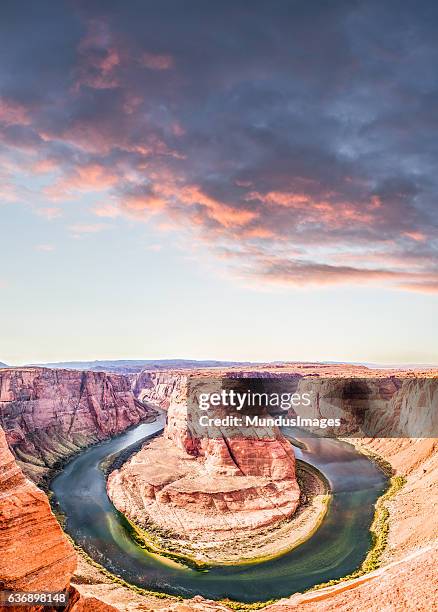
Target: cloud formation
<point>297,140</point>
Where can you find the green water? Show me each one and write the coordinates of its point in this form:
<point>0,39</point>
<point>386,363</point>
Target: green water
<point>335,550</point>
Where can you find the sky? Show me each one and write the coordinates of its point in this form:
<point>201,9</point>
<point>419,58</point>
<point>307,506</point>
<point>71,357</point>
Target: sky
<point>219,180</point>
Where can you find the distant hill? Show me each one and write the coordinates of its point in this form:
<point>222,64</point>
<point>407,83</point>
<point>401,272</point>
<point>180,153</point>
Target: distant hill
<point>129,366</point>
<point>3,365</point>
<point>385,366</point>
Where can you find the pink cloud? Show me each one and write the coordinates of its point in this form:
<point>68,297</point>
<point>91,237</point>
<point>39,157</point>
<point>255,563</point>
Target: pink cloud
<point>258,232</point>
<point>107,210</point>
<point>225,214</point>
<point>155,61</point>
<point>301,273</point>
<point>430,286</point>
<point>89,177</point>
<point>8,192</point>
<point>177,129</point>
<point>333,214</point>
<point>99,58</point>
<point>42,166</point>
<point>416,236</point>
<point>13,113</point>
<point>139,203</point>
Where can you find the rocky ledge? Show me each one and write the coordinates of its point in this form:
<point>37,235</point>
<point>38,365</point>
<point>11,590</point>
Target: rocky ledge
<point>35,556</point>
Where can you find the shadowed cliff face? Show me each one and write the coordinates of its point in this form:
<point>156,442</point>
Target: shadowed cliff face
<point>391,406</point>
<point>48,415</point>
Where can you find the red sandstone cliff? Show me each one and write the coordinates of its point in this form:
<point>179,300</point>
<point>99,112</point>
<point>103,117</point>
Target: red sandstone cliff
<point>203,489</point>
<point>48,415</point>
<point>35,555</point>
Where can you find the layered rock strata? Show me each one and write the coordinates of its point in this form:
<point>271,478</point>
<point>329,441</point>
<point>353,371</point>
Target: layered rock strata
<point>380,403</point>
<point>201,491</point>
<point>48,415</point>
<point>406,581</point>
<point>35,555</point>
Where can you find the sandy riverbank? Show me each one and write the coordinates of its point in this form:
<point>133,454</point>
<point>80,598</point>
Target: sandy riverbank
<point>262,544</point>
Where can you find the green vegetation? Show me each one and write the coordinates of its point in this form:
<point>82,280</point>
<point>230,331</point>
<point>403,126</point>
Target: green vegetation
<point>236,605</point>
<point>379,534</point>
<point>117,580</point>
<point>28,458</point>
<point>147,541</point>
<point>384,465</point>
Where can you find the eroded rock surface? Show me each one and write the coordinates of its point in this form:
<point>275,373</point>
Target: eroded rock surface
<point>406,581</point>
<point>204,490</point>
<point>48,415</point>
<point>35,555</point>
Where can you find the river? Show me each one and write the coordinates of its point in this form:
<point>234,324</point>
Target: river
<point>335,550</point>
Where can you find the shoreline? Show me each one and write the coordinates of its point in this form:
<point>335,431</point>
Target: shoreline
<point>393,488</point>
<point>51,472</point>
<point>379,531</point>
<point>269,543</point>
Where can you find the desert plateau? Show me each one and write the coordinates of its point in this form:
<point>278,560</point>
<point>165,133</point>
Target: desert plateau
<point>193,506</point>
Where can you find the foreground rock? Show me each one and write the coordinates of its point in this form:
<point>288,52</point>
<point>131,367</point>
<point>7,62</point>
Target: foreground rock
<point>414,510</point>
<point>409,584</point>
<point>35,555</point>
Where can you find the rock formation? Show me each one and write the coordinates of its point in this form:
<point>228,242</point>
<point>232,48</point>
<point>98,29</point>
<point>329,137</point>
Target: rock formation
<point>35,555</point>
<point>376,405</point>
<point>48,415</point>
<point>204,490</point>
<point>200,489</point>
<point>406,581</point>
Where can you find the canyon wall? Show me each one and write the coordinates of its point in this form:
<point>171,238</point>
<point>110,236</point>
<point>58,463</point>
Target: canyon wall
<point>380,403</point>
<point>384,406</point>
<point>414,510</point>
<point>35,554</point>
<point>48,415</point>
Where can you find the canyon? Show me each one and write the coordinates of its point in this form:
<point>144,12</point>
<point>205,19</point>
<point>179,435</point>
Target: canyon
<point>49,415</point>
<point>210,496</point>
